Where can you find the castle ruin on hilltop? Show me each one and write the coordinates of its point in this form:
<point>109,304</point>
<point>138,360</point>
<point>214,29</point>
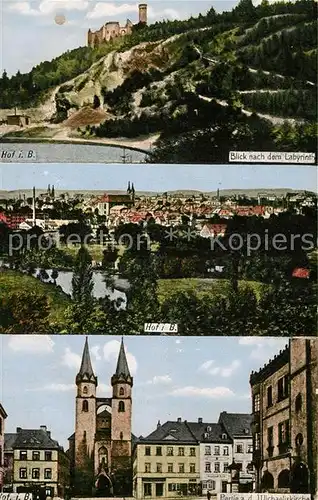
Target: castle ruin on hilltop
<point>112,29</point>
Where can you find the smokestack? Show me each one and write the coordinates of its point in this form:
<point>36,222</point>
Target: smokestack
<point>200,420</point>
<point>33,207</point>
<point>142,13</point>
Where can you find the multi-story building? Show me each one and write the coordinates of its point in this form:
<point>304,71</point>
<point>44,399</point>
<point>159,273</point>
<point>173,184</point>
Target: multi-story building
<point>285,419</point>
<point>167,463</point>
<point>110,200</point>
<point>215,456</point>
<point>39,465</point>
<point>238,427</point>
<point>9,439</point>
<point>3,416</point>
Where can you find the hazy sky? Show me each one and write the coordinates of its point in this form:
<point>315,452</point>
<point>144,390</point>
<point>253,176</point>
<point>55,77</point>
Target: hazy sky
<point>30,34</point>
<point>157,177</point>
<point>186,377</point>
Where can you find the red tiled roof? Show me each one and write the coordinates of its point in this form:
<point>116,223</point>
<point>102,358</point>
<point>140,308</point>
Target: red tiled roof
<point>301,272</point>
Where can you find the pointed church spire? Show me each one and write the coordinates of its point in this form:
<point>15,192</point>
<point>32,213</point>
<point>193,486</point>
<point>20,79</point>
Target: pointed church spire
<point>122,365</point>
<point>86,369</point>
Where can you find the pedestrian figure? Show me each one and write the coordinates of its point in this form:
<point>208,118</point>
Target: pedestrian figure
<point>208,495</point>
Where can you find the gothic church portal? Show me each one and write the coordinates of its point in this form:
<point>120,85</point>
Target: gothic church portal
<point>101,445</point>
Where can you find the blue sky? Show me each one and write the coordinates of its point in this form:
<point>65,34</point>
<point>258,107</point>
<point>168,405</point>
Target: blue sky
<point>186,377</point>
<point>157,177</point>
<point>31,35</point>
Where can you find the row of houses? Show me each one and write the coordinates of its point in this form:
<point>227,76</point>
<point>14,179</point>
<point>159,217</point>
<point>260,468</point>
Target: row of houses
<point>194,458</point>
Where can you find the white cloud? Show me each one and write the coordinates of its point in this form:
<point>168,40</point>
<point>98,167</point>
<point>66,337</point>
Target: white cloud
<point>95,350</point>
<point>206,392</point>
<point>111,351</point>
<point>224,371</point>
<point>71,359</point>
<point>167,13</point>
<point>160,379</point>
<point>23,8</point>
<point>47,7</point>
<point>110,9</point>
<point>262,347</point>
<point>37,344</point>
<point>55,388</point>
<point>104,389</point>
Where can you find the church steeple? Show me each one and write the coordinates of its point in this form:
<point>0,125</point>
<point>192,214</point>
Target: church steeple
<point>122,365</point>
<point>86,373</point>
<point>122,370</point>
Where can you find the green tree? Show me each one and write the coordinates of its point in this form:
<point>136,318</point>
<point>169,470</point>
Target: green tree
<point>18,313</point>
<point>82,281</point>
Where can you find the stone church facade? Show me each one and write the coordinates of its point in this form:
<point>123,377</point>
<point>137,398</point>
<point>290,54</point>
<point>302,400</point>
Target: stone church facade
<point>101,446</point>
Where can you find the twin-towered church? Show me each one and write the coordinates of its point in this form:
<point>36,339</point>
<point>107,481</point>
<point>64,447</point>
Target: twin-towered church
<point>101,446</point>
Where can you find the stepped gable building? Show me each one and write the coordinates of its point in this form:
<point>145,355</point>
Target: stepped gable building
<point>285,420</point>
<point>100,448</point>
<point>112,29</point>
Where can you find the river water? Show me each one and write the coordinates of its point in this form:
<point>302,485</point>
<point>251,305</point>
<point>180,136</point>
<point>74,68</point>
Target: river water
<point>11,152</point>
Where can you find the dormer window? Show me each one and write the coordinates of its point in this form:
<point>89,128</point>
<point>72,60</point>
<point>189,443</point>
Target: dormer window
<point>208,429</point>
<point>224,436</point>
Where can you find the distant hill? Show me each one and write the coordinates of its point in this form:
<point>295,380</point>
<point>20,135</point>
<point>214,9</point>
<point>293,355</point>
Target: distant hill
<point>245,79</point>
<point>6,195</point>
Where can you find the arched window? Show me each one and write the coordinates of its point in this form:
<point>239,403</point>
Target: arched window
<point>284,479</point>
<point>299,440</point>
<point>267,482</point>
<point>121,436</point>
<point>85,405</point>
<point>298,403</point>
<point>121,392</point>
<point>103,456</point>
<point>85,390</point>
<point>121,406</point>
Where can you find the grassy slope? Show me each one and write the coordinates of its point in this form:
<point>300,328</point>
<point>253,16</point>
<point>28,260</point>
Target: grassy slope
<point>12,282</point>
<point>202,287</point>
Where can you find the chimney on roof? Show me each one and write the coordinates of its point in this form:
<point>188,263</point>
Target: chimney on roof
<point>200,420</point>
<point>158,424</point>
<point>43,428</point>
<point>179,420</point>
<point>19,429</point>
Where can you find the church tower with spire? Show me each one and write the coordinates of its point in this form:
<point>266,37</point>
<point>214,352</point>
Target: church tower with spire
<point>122,383</point>
<point>101,445</point>
<point>85,412</point>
